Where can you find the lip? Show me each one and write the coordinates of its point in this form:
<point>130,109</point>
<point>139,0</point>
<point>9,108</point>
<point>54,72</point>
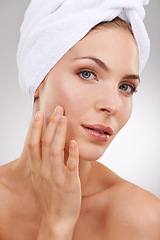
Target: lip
<point>90,129</point>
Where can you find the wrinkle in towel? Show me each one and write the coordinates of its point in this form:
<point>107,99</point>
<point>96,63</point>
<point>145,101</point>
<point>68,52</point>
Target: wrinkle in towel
<point>51,27</point>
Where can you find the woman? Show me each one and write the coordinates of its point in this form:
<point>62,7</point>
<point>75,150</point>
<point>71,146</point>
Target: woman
<point>56,189</point>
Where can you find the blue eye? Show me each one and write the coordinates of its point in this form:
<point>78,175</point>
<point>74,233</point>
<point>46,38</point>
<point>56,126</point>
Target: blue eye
<point>87,75</point>
<point>128,88</point>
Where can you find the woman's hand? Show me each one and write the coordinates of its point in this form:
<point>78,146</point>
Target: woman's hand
<point>56,184</point>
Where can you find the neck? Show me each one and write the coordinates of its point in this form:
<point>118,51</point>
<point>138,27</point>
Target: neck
<point>23,167</point>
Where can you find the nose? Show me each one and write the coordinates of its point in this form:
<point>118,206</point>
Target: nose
<point>108,100</point>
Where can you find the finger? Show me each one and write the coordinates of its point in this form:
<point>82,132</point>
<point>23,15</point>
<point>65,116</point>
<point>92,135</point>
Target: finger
<point>73,161</point>
<point>34,138</point>
<point>57,147</point>
<point>50,132</point>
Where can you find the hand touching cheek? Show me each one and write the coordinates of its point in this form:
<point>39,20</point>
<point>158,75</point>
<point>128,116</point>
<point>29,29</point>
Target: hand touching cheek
<point>56,184</point>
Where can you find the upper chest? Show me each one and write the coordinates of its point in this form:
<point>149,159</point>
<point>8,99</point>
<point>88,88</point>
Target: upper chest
<point>92,220</point>
<point>19,216</point>
<point>21,219</point>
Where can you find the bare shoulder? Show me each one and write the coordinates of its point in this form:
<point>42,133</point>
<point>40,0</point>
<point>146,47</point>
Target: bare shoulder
<point>129,212</point>
<point>140,197</point>
<point>138,209</point>
<point>5,196</point>
<point>6,180</point>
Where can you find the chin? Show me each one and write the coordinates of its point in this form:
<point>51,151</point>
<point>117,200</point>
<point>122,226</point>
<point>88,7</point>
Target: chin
<point>91,153</point>
<point>89,150</point>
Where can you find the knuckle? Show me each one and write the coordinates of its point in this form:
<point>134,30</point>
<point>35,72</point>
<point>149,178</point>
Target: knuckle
<point>58,184</point>
<point>44,174</point>
<point>34,125</point>
<point>54,152</point>
<point>46,142</point>
<point>72,166</point>
<point>53,119</point>
<point>32,144</point>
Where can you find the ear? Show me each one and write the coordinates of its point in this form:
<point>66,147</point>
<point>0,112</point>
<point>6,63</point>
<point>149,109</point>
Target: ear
<point>38,91</point>
<point>36,94</point>
<point>36,100</point>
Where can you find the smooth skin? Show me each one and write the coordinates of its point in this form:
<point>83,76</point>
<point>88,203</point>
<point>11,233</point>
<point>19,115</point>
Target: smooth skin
<point>56,189</point>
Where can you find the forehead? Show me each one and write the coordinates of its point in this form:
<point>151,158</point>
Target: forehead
<point>116,47</point>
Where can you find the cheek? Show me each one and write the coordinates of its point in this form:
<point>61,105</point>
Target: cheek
<point>125,112</point>
<point>64,93</point>
<point>71,99</point>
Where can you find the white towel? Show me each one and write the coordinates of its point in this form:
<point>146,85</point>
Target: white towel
<point>51,27</point>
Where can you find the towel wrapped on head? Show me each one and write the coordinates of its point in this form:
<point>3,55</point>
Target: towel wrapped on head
<point>51,27</point>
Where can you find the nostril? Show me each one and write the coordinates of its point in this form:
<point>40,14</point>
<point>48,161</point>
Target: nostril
<point>109,110</point>
<point>105,110</point>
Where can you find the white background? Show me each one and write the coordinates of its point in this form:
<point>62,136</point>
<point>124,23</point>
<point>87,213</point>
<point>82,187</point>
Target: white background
<point>135,152</point>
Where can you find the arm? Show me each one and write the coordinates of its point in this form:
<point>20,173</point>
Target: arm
<point>57,185</point>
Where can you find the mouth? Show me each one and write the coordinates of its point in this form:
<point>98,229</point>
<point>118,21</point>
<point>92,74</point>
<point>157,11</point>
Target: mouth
<point>98,132</point>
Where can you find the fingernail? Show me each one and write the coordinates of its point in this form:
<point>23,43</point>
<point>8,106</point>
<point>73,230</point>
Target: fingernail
<point>59,110</point>
<point>38,116</point>
<point>72,145</point>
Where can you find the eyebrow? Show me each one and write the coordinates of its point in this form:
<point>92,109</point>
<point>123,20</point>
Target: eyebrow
<point>133,77</point>
<point>97,61</point>
<point>101,64</point>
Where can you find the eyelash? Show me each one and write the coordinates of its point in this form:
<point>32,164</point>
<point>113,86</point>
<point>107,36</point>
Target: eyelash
<point>87,71</point>
<point>133,88</point>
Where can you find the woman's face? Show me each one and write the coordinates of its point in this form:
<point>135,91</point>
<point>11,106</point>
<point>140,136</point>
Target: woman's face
<point>94,83</point>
